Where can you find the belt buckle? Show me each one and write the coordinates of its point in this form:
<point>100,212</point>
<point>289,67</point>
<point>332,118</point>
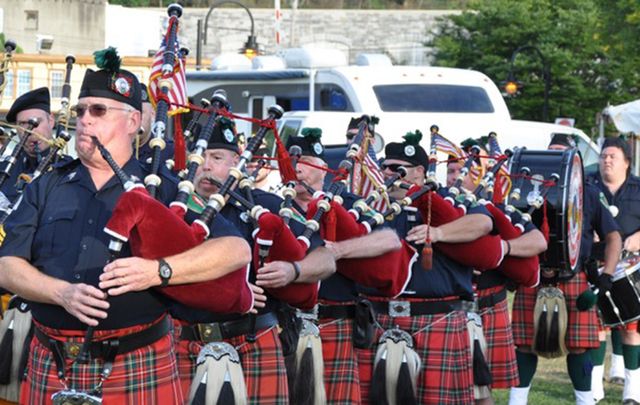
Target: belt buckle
<point>399,308</point>
<point>210,332</point>
<point>72,349</point>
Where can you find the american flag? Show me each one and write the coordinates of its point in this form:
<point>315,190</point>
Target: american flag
<point>367,176</point>
<point>178,92</point>
<point>446,146</point>
<point>495,150</point>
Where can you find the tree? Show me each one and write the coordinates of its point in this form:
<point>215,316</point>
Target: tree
<point>569,33</point>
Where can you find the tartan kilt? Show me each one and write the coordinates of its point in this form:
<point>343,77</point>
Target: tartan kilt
<point>341,378</point>
<point>501,352</point>
<point>148,375</point>
<point>262,362</point>
<point>446,376</point>
<point>582,326</point>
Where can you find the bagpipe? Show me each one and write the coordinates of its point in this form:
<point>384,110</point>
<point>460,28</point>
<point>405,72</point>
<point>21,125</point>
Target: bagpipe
<point>9,47</point>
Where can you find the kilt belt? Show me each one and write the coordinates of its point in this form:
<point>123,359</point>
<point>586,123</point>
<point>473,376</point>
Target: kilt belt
<point>396,308</point>
<point>217,331</point>
<point>336,311</point>
<point>108,348</point>
<point>493,299</point>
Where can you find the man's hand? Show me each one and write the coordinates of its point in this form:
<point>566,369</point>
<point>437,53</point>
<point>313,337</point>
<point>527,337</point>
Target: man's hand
<point>129,274</point>
<point>418,234</point>
<point>275,274</point>
<point>85,302</point>
<point>605,282</point>
<point>259,298</point>
<point>632,243</point>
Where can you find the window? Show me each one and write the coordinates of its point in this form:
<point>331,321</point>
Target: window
<point>8,90</point>
<point>439,98</point>
<point>24,82</point>
<point>31,19</point>
<point>57,80</point>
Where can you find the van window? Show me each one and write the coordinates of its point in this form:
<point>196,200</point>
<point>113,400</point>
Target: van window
<point>290,127</point>
<point>433,98</point>
<point>590,156</point>
<point>330,97</point>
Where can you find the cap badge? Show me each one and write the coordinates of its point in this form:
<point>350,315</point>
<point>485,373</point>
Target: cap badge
<point>409,150</point>
<point>122,85</point>
<point>228,135</point>
<point>317,148</point>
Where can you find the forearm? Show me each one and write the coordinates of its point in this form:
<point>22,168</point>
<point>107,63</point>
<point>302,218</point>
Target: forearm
<point>371,245</point>
<point>210,260</point>
<point>528,245</point>
<point>317,265</point>
<point>21,278</point>
<point>612,251</point>
<point>465,229</point>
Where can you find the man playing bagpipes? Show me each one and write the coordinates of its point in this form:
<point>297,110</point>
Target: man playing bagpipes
<point>142,150</point>
<point>30,109</point>
<point>55,253</point>
<point>339,309</point>
<point>581,323</point>
<point>254,338</point>
<point>491,285</point>
<point>423,355</point>
<point>621,193</point>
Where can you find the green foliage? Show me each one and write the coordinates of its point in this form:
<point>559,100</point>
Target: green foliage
<point>574,36</point>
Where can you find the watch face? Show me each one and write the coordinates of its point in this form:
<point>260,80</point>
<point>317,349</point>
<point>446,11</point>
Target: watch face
<point>165,271</point>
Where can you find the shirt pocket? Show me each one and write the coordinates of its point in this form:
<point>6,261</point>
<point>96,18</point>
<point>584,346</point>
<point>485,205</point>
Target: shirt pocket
<point>55,235</point>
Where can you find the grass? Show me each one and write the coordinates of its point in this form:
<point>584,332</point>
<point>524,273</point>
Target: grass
<point>551,385</point>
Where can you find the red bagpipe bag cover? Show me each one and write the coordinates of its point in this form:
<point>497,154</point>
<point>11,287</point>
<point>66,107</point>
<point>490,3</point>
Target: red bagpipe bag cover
<point>523,270</point>
<point>155,231</point>
<point>388,273</point>
<point>484,253</point>
<point>284,247</point>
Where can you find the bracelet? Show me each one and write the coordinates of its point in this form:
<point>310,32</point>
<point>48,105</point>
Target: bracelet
<point>508,248</point>
<point>296,268</point>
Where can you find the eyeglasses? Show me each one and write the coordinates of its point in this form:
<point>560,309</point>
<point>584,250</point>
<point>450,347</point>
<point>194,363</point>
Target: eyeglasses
<point>95,110</point>
<point>394,167</point>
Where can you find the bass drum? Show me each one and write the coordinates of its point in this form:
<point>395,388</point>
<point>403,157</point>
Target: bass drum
<point>563,203</point>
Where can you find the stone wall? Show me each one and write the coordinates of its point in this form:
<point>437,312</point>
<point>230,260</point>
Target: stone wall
<point>400,34</point>
<point>77,26</point>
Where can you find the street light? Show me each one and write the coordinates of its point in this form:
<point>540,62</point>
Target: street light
<point>512,86</point>
<point>250,48</point>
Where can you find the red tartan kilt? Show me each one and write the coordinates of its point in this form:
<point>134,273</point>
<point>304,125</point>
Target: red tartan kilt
<point>262,365</point>
<point>145,376</point>
<point>582,326</point>
<point>446,376</point>
<point>341,378</point>
<point>501,352</point>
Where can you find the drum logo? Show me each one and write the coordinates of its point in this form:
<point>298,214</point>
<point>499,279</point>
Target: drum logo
<point>574,214</point>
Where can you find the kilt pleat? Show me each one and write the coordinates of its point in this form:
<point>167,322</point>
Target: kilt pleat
<point>341,377</point>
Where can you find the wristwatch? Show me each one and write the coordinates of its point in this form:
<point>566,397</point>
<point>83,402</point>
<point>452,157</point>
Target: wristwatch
<point>164,271</point>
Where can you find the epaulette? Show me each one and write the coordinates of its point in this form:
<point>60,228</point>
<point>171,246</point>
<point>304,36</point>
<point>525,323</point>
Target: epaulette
<point>66,163</point>
<point>196,203</point>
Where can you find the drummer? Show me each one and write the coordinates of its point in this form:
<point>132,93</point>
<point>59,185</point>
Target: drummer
<point>582,326</point>
<point>622,192</point>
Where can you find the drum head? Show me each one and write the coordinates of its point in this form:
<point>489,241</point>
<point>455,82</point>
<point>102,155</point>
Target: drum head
<point>562,210</point>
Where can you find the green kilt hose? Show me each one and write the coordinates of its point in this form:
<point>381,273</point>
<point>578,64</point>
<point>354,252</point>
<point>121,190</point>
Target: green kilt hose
<point>148,375</point>
<point>582,326</point>
<point>442,342</point>
<point>262,365</point>
<point>341,377</point>
<point>501,351</point>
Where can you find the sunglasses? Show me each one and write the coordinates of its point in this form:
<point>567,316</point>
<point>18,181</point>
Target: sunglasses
<point>95,110</point>
<point>395,166</point>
